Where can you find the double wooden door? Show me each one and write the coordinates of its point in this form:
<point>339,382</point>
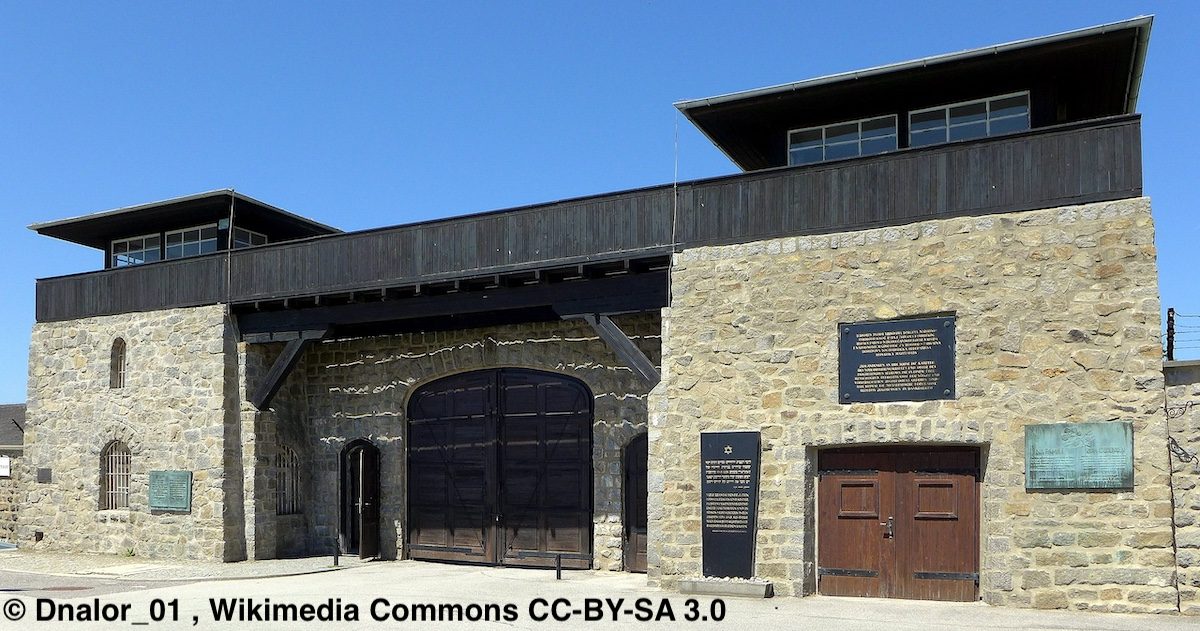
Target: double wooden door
<point>899,523</point>
<point>500,469</point>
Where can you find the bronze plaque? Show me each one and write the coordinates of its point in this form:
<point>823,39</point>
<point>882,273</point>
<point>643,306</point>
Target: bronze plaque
<point>1079,456</point>
<point>171,491</point>
<point>896,360</point>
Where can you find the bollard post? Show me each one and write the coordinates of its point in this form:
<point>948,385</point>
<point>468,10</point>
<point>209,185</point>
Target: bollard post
<point>337,549</point>
<point>558,567</point>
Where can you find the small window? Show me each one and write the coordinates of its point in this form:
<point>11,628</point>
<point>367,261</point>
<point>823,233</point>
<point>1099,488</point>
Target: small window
<point>115,467</point>
<point>970,119</point>
<point>243,238</point>
<point>842,140</point>
<point>116,364</point>
<point>287,470</point>
<point>135,251</point>
<point>191,241</point>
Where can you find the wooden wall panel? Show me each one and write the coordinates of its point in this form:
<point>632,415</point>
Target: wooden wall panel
<point>1068,164</point>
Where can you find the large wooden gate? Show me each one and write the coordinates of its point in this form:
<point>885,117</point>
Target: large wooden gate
<point>899,523</point>
<point>500,469</point>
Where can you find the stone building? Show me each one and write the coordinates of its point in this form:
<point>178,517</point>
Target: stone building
<point>12,423</point>
<point>919,336</point>
<point>1183,420</point>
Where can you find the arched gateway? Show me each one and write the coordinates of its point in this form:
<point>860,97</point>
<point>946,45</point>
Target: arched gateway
<point>500,469</point>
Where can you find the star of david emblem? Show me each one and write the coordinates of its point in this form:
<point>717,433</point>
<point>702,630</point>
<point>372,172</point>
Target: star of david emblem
<point>728,449</point>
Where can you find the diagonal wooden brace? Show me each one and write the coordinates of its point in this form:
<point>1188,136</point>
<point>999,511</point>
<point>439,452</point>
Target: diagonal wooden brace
<point>283,366</point>
<point>626,350</point>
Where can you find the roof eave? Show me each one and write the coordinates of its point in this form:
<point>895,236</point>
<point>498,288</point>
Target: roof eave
<point>46,225</point>
<point>1142,23</point>
<point>1142,43</point>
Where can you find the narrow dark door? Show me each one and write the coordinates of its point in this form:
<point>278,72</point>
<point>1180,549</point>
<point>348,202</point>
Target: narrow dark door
<point>899,523</point>
<point>368,468</point>
<point>500,469</point>
<point>634,548</point>
<point>360,499</point>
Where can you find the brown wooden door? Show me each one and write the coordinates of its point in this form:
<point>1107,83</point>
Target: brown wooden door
<point>899,523</point>
<point>854,496</point>
<point>500,469</point>
<point>634,548</point>
<point>937,525</point>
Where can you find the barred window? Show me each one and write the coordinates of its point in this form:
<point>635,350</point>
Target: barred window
<point>116,364</point>
<point>115,465</point>
<point>287,469</point>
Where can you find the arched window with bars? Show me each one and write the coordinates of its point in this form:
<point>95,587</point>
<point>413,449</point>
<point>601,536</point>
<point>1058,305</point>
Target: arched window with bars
<point>287,469</point>
<point>116,364</point>
<point>115,469</point>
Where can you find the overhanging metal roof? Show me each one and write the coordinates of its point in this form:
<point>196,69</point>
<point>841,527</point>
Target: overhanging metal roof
<point>97,229</point>
<point>734,121</point>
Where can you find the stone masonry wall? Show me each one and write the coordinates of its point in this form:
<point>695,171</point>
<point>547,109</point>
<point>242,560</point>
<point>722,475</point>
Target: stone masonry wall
<point>359,389</point>
<point>10,495</point>
<point>1183,416</point>
<point>1057,321</point>
<point>171,413</point>
<point>285,424</point>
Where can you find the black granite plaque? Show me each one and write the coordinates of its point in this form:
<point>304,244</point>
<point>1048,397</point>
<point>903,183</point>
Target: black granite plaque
<point>729,463</point>
<point>896,360</point>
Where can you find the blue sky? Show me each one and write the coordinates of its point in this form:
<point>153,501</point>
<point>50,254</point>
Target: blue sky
<point>367,114</point>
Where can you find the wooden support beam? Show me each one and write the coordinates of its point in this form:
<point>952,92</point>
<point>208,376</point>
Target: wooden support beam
<point>626,350</point>
<point>283,366</point>
<point>633,292</point>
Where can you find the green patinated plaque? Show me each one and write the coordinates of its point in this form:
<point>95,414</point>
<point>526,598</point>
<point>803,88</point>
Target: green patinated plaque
<point>171,491</point>
<point>1079,456</point>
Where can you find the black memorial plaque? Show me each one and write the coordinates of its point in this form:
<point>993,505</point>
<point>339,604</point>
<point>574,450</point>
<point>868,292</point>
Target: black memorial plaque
<point>729,464</point>
<point>896,360</point>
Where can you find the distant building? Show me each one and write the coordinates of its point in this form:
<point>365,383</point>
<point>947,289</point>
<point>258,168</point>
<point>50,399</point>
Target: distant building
<point>12,439</point>
<point>927,271</point>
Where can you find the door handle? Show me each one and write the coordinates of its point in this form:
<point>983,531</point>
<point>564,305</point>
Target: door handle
<point>889,530</point>
<point>498,518</point>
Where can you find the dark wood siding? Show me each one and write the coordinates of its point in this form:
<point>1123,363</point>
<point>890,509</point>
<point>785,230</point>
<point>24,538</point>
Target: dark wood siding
<point>176,283</point>
<point>1070,164</point>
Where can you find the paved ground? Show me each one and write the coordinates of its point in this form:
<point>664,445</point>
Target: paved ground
<point>136,569</point>
<point>396,592</point>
